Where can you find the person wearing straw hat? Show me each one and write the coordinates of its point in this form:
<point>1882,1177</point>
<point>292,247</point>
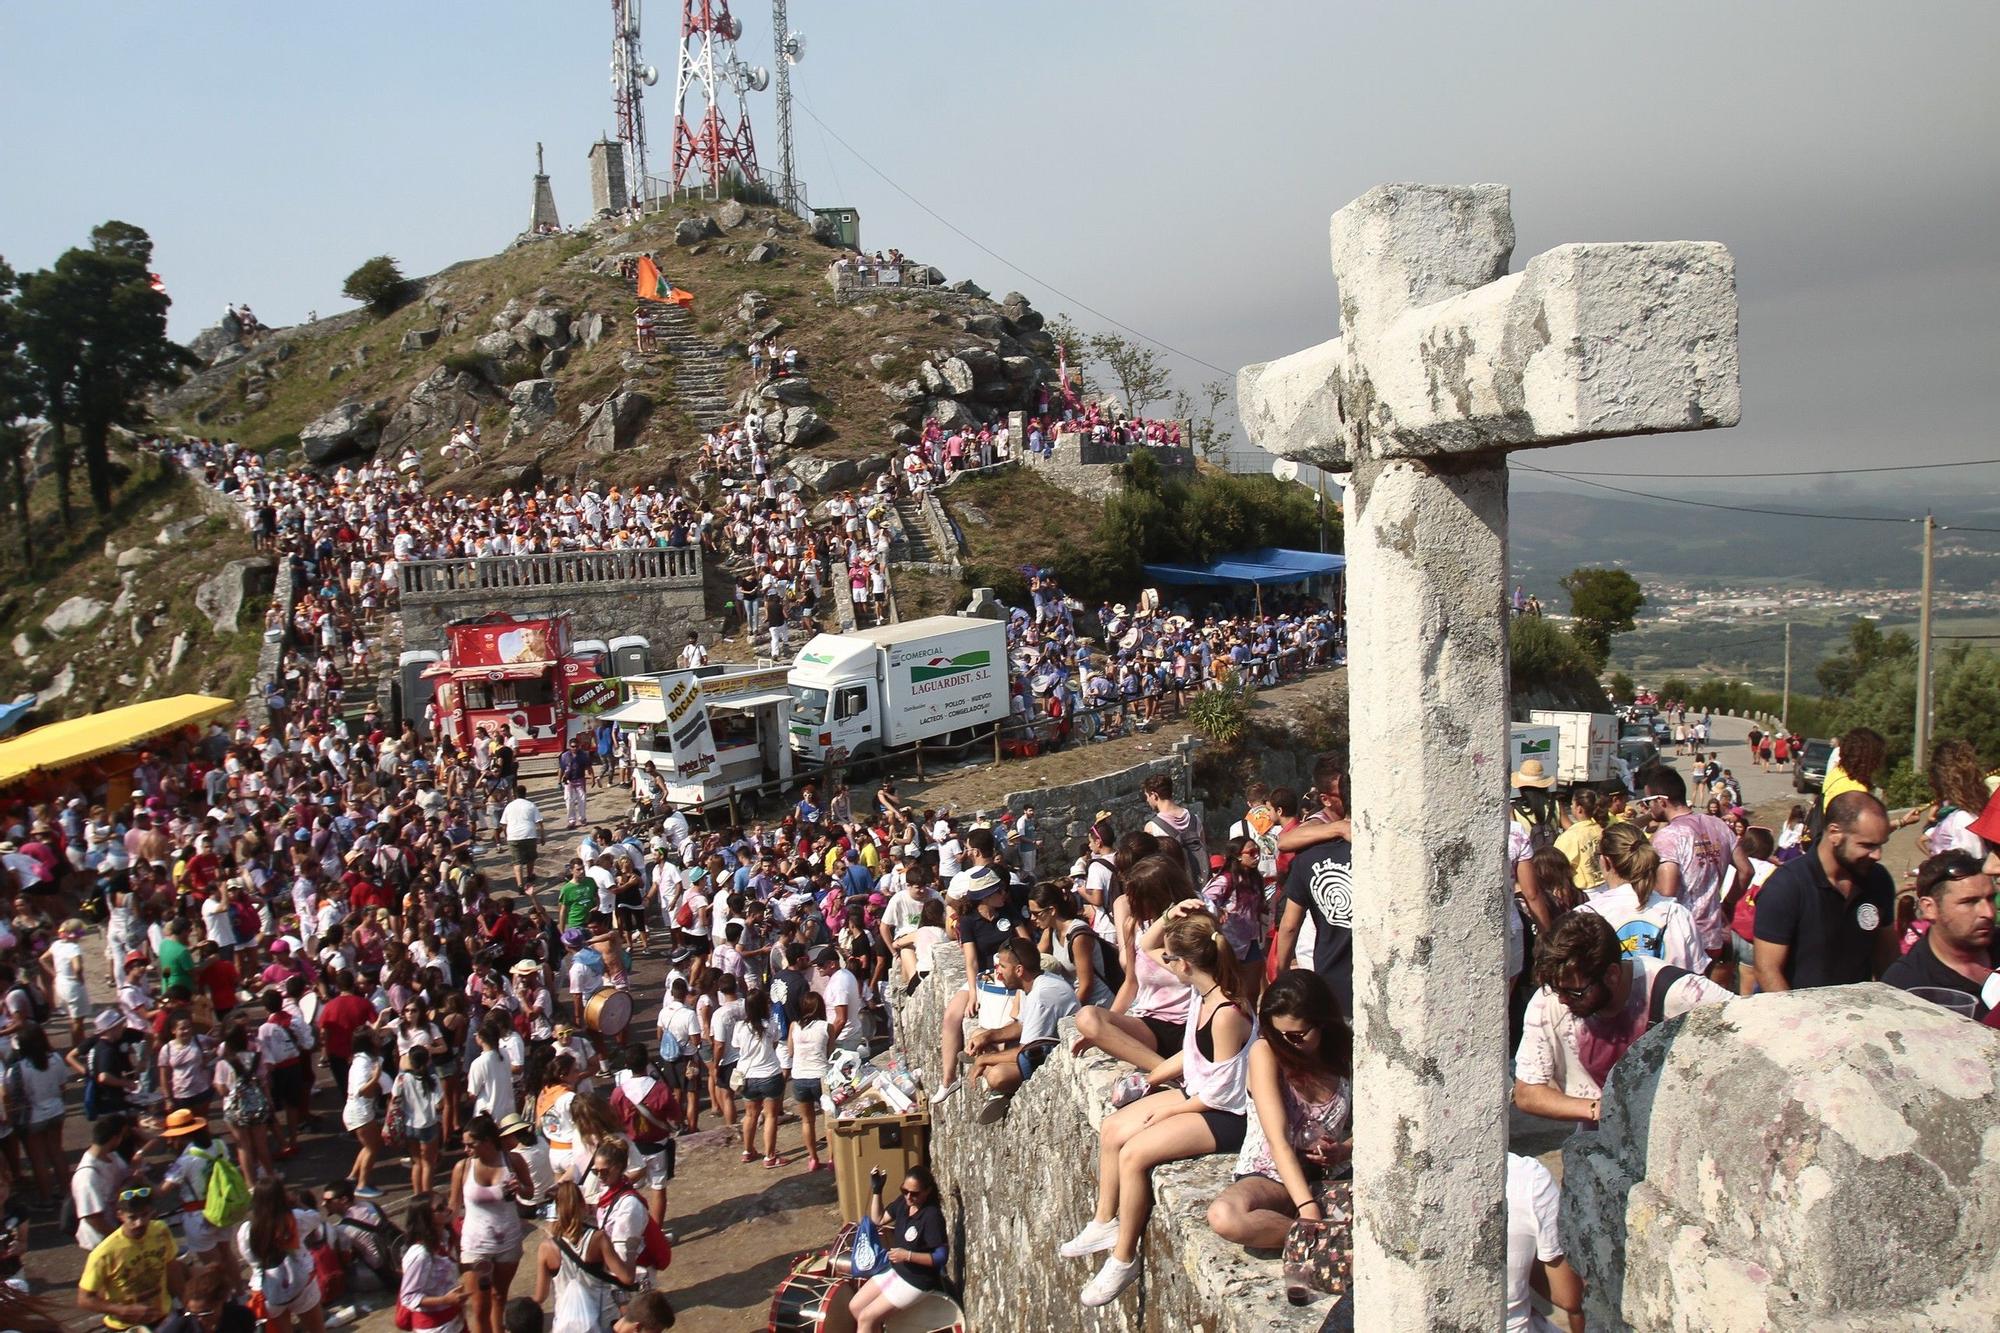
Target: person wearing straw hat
<point>188,1174</point>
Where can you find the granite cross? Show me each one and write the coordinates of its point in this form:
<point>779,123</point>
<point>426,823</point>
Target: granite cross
<point>1445,363</point>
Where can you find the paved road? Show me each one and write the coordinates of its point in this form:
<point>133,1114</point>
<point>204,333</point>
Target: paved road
<point>1731,740</point>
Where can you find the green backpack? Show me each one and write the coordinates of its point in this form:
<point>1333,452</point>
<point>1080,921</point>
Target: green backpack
<point>228,1199</point>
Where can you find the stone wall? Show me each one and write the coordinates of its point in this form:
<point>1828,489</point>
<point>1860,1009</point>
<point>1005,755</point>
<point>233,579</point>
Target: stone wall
<point>1016,1189</point>
<point>1080,467</point>
<point>1063,814</point>
<point>1824,1159</point>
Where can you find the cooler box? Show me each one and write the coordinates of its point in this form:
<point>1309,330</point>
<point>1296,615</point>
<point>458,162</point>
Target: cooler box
<point>893,1142</point>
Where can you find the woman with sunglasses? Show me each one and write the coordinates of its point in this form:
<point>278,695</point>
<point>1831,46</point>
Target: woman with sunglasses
<point>913,1231</point>
<point>1301,1067</point>
<point>206,1307</point>
<point>1207,1115</point>
<point>1060,932</point>
<point>579,1266</point>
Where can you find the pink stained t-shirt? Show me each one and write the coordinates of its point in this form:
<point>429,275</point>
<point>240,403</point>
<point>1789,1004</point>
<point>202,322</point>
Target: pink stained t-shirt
<point>1703,847</point>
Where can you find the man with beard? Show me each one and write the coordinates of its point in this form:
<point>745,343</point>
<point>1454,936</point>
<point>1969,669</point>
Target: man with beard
<point>1957,953</point>
<point>1828,918</point>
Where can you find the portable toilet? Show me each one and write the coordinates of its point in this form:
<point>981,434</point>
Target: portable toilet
<point>630,655</point>
<point>596,650</point>
<point>413,690</point>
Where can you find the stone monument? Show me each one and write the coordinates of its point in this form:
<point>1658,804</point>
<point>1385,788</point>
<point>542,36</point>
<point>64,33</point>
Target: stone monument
<point>1445,363</point>
<point>607,177</point>
<point>543,218</point>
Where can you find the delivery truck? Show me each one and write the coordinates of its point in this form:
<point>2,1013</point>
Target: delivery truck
<point>897,685</point>
<point>1586,744</point>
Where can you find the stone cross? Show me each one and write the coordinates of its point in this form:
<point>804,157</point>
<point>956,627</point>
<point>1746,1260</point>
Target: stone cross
<point>1446,362</point>
<point>538,159</point>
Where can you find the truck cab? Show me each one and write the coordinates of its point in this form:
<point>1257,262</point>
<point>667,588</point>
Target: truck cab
<point>836,699</point>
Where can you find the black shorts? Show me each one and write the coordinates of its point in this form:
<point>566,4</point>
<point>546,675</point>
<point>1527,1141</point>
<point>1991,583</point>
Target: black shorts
<point>1228,1128</point>
<point>1168,1038</point>
<point>288,1084</point>
<point>524,851</point>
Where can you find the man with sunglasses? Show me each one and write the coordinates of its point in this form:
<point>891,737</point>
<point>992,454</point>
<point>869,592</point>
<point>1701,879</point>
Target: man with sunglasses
<point>206,1307</point>
<point>1959,951</point>
<point>133,1275</point>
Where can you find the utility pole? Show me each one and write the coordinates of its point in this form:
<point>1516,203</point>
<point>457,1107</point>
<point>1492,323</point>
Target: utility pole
<point>1322,508</point>
<point>1785,701</point>
<point>1923,741</point>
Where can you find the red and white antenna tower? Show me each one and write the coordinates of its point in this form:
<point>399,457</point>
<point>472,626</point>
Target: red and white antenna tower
<point>630,77</point>
<point>706,147</point>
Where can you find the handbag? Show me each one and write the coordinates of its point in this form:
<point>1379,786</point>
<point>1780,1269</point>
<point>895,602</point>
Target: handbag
<point>392,1122</point>
<point>1319,1256</point>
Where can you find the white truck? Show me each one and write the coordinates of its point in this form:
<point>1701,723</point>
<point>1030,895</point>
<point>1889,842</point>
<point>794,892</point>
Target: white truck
<point>897,685</point>
<point>709,733</point>
<point>1586,745</point>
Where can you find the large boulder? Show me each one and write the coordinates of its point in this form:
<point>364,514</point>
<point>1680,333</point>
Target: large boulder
<point>790,389</point>
<point>933,379</point>
<point>549,325</point>
<point>554,360</point>
<point>221,597</point>
<point>958,376</point>
<point>589,328</point>
<point>826,475</point>
<point>984,363</point>
<point>923,275</point>
<point>77,613</point>
<point>1809,1160</point>
<point>445,398</point>
<point>347,431</point>
<point>966,287</point>
<point>761,253</point>
<point>752,306</point>
<point>1015,307</point>
<point>220,342</point>
<point>531,405</point>
<point>416,340</point>
<point>906,392</point>
<point>615,424</point>
<point>732,213</point>
<point>951,414</point>
<point>798,425</point>
<point>986,326</point>
<point>694,230</point>
<point>498,345</point>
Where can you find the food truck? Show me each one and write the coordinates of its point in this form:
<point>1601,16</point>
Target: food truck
<point>711,732</point>
<point>517,673</point>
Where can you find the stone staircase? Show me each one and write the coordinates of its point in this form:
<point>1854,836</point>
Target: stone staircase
<point>917,547</point>
<point>701,370</point>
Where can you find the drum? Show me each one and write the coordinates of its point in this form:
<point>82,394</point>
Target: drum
<point>934,1312</point>
<point>811,1300</point>
<point>609,1012</point>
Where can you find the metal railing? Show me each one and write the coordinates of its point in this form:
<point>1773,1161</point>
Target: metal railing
<point>680,565</point>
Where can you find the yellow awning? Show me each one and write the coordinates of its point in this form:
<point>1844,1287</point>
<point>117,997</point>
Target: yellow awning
<point>61,744</point>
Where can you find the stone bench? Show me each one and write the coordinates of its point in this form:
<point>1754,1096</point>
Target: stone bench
<point>1016,1189</point>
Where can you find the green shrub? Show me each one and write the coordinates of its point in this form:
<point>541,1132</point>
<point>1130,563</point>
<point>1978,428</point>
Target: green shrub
<point>466,363</point>
<point>1543,653</point>
<point>1219,714</point>
<point>378,284</point>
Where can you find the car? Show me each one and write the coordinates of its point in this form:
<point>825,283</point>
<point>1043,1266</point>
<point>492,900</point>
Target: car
<point>1637,752</point>
<point>1635,731</point>
<point>1809,765</point>
<point>1662,732</point>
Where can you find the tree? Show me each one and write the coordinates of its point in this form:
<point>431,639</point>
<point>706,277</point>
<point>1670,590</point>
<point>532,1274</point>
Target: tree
<point>1139,371</point>
<point>1602,602</point>
<point>378,284</point>
<point>1206,437</point>
<point>20,403</point>
<point>1620,688</point>
<point>96,327</point>
<point>1968,700</point>
<point>1867,647</point>
<point>1541,652</point>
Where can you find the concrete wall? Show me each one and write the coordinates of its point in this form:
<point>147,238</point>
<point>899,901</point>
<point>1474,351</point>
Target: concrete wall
<point>1063,814</point>
<point>1080,467</point>
<point>1016,1189</point>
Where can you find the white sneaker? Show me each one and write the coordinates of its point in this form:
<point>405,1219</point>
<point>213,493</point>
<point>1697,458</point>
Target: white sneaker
<point>1095,1236</point>
<point>1111,1279</point>
<point>944,1094</point>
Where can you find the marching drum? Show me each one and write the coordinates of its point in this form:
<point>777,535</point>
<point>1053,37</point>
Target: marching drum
<point>609,1012</point>
<point>811,1300</point>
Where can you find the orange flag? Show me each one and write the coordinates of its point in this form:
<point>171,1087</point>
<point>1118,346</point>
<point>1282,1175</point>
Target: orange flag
<point>653,286</point>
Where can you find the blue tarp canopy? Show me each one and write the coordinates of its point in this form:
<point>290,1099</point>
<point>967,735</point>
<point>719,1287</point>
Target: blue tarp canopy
<point>1265,565</point>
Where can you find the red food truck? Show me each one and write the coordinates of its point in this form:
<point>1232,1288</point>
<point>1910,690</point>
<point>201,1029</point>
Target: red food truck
<point>516,673</point>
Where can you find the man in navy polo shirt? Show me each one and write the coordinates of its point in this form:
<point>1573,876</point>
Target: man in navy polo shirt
<point>1828,919</point>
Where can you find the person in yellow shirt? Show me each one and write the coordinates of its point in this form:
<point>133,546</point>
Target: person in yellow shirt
<point>1579,841</point>
<point>133,1276</point>
<point>1855,765</point>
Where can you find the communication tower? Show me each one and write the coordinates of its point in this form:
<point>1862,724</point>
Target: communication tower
<point>791,50</point>
<point>706,147</point>
<point>630,77</point>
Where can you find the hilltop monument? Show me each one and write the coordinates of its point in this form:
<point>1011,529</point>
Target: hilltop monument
<point>543,218</point>
<point>1445,363</point>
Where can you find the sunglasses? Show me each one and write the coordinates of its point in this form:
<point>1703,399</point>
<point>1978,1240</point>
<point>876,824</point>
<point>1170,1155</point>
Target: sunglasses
<point>1294,1038</point>
<point>1172,958</point>
<point>1579,993</point>
<point>142,1194</point>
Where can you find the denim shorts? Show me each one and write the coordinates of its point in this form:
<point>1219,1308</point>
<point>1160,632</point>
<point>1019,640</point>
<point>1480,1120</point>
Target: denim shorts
<point>806,1090</point>
<point>764,1089</point>
<point>427,1134</point>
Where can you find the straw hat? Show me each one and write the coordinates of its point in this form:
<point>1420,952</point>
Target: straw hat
<point>1531,775</point>
<point>181,1123</point>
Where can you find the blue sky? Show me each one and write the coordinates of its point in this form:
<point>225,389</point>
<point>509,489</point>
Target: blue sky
<point>1172,165</point>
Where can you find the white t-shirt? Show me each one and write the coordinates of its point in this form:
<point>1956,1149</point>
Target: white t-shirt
<point>490,1084</point>
<point>1047,1002</point>
<point>950,853</point>
<point>843,991</point>
<point>216,922</point>
<point>1548,1053</point>
<point>522,820</point>
<point>1532,1203</point>
<point>93,1188</point>
<point>1663,928</point>
<point>810,1042</point>
<point>902,913</point>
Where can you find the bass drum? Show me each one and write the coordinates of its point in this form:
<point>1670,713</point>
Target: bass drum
<point>811,1300</point>
<point>609,1012</point>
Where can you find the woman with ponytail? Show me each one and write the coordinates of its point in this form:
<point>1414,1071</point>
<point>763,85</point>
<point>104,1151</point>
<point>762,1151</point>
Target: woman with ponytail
<point>1647,924</point>
<point>1209,1116</point>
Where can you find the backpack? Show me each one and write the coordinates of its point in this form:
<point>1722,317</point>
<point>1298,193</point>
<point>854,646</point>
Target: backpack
<point>1664,980</point>
<point>228,1200</point>
<point>648,1125</point>
<point>1108,965</point>
<point>1191,843</point>
<point>654,1250</point>
<point>38,1006</point>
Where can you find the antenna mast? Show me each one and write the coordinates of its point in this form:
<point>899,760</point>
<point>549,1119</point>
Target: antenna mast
<point>789,49</point>
<point>630,77</point>
<point>706,147</point>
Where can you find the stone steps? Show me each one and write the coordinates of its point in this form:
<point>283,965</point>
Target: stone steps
<point>700,370</point>
<point>916,547</point>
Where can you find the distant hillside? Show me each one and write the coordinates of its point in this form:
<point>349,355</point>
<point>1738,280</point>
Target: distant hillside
<point>1552,533</point>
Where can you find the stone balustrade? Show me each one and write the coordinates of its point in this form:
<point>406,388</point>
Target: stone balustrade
<point>680,566</point>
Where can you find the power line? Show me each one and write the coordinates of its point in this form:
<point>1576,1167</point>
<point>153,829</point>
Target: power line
<point>996,255</point>
<point>1820,472</point>
<point>1581,480</point>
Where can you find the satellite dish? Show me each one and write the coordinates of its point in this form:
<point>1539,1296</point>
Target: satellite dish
<point>760,79</point>
<point>795,47</point>
<point>1284,469</point>
<point>649,75</point>
<point>731,27</point>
